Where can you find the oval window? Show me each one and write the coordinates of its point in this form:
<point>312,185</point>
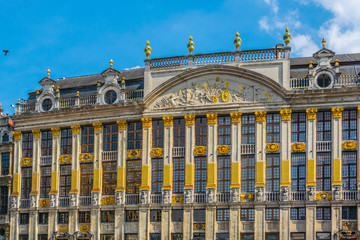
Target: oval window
<point>47,104</point>
<point>110,97</point>
<point>323,80</point>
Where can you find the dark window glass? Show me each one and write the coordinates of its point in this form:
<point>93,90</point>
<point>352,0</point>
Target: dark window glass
<point>106,236</point>
<point>248,129</point>
<point>155,236</point>
<point>323,80</point>
<point>155,215</point>
<point>157,175</point>
<point>323,213</point>
<point>247,236</point>
<point>134,140</point>
<point>177,215</point>
<point>26,176</point>
<point>323,171</point>
<point>5,138</point>
<point>178,175</point>
<point>24,218</point>
<point>86,178</point>
<point>273,128</point>
<point>247,173</point>
<point>201,131</point>
<point>43,237</point>
<point>349,213</point>
<point>65,180</point>
<point>43,218</point>
<point>109,178</point>
<point>224,174</point>
<point>45,181</point>
<point>63,217</point>
<point>27,145</point>
<point>107,216</point>
<point>298,171</point>
<point>84,217</point>
<point>179,132</point>
<point>131,215</point>
<point>110,136</point>
<point>158,134</point>
<point>247,214</point>
<point>298,127</point>
<point>110,97</point>
<point>66,141</point>
<point>5,161</point>
<point>224,130</point>
<point>4,199</point>
<point>222,214</point>
<point>349,124</point>
<point>199,215</point>
<point>272,214</point>
<point>200,174</point>
<point>298,213</point>
<point>323,126</point>
<point>87,140</point>
<point>349,172</point>
<point>272,172</point>
<point>133,176</point>
<point>47,104</point>
<point>23,237</point>
<point>46,143</point>
<point>177,236</point>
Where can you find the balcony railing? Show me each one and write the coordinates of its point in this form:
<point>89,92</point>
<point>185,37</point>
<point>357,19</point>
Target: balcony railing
<point>24,203</point>
<point>178,151</point>
<point>347,80</point>
<point>134,95</point>
<point>85,200</point>
<point>323,146</point>
<point>27,107</point>
<point>90,100</point>
<point>272,196</point>
<point>299,83</point>
<point>110,155</point>
<point>298,196</point>
<point>45,160</point>
<point>66,102</point>
<point>64,201</point>
<point>349,195</point>
<point>200,197</point>
<point>156,198</point>
<point>247,148</point>
<point>223,197</point>
<point>132,198</point>
<point>216,58</point>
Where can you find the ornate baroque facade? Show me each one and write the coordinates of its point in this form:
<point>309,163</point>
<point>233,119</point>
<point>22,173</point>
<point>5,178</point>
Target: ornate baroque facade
<point>235,145</point>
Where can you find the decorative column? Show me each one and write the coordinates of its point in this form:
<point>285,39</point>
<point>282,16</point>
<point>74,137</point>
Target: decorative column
<point>16,183</point>
<point>211,176</point>
<point>311,174</point>
<point>358,162</point>
<point>120,188</point>
<point>260,178</point>
<point>189,157</point>
<point>167,172</point>
<point>75,166</point>
<point>96,191</point>
<point>54,192</point>
<point>336,152</point>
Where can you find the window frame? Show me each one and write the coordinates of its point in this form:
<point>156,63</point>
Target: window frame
<point>298,213</point>
<point>248,122</point>
<point>26,181</point>
<point>157,168</point>
<point>86,178</point>
<point>107,216</point>
<point>323,213</point>
<point>109,175</point>
<point>5,163</point>
<point>323,122</point>
<point>157,133</point>
<point>24,218</point>
<point>273,128</point>
<point>178,175</point>
<point>84,217</point>
<point>133,176</point>
<point>224,130</point>
<point>247,214</point>
<point>46,143</point>
<point>248,173</point>
<point>27,145</point>
<point>272,214</point>
<point>43,218</point>
<point>155,215</point>
<point>110,137</point>
<point>223,174</point>
<point>349,117</point>
<point>45,181</point>
<point>65,180</point>
<point>273,182</point>
<point>134,135</point>
<point>349,213</point>
<point>323,171</point>
<point>349,182</point>
<point>200,179</point>
<point>177,215</point>
<point>201,131</point>
<point>179,132</point>
<point>87,139</point>
<point>298,172</point>
<point>63,218</point>
<point>66,141</point>
<point>222,214</point>
<point>298,127</point>
<point>131,215</point>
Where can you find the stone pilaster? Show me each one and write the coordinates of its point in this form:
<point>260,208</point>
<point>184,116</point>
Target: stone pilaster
<point>210,226</point>
<point>188,223</point>
<point>33,221</point>
<point>259,222</point>
<point>336,225</point>
<point>260,142</point>
<point>311,153</point>
<point>52,222</point>
<point>146,163</point>
<point>16,183</point>
<point>144,222</point>
<point>211,157</point>
<point>166,223</point>
<point>75,166</point>
<point>167,172</point>
<point>284,228</point>
<point>96,191</point>
<point>119,223</point>
<point>285,183</point>
<point>189,158</point>
<point>54,192</point>
<point>235,156</point>
<point>234,223</point>
<point>336,151</point>
<point>14,223</point>
<point>121,163</point>
<point>73,221</point>
<point>310,221</point>
<point>35,188</point>
<point>95,222</point>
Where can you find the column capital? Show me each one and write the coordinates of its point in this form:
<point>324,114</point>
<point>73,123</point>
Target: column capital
<point>286,114</point>
<point>17,135</point>
<point>235,117</point>
<point>260,116</point>
<point>55,132</point>
<point>337,111</point>
<point>168,121</point>
<point>36,133</point>
<point>212,118</point>
<point>189,119</point>
<point>146,121</point>
<point>97,127</point>
<point>75,129</point>
<point>358,108</point>
<point>121,124</point>
<point>311,113</point>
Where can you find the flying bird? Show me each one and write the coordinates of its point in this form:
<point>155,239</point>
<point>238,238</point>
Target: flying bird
<point>6,52</point>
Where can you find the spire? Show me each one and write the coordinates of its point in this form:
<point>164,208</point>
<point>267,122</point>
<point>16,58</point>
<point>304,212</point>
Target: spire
<point>48,73</point>
<point>111,63</point>
<point>323,42</point>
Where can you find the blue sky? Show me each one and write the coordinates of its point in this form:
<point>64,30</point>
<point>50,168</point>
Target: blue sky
<point>75,38</point>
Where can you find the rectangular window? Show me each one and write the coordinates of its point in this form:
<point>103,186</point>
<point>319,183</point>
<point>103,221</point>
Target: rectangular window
<point>273,128</point>
<point>46,143</point>
<point>155,236</point>
<point>45,181</point>
<point>323,171</point>
<point>133,176</point>
<point>200,174</point>
<point>323,126</point>
<point>131,236</point>
<point>24,218</point>
<point>272,172</point>
<point>110,136</point>
<point>298,171</point>
<point>63,217</point>
<point>4,199</point>
<point>271,236</point>
<point>323,213</point>
<point>349,172</point>
<point>247,236</point>
<point>298,127</point>
<point>156,175</point>
<point>222,214</point>
<point>224,174</point>
<point>179,132</point>
<point>66,141</point>
<point>247,173</point>
<point>224,130</point>
<point>298,213</point>
<point>43,218</point>
<point>155,215</point>
<point>107,216</point>
<point>349,213</point>
<point>158,134</point>
<point>178,175</point>
<point>349,124</point>
<point>106,236</point>
<point>84,217</point>
<point>134,140</point>
<point>109,178</point>
<point>27,145</point>
<point>177,236</point>
<point>65,180</point>
<point>43,237</point>
<point>131,215</point>
<point>177,215</point>
<point>248,129</point>
<point>5,161</point>
<point>87,140</point>
<point>272,214</point>
<point>23,237</point>
<point>26,176</point>
<point>247,214</point>
<point>201,131</point>
<point>86,178</point>
<point>199,215</point>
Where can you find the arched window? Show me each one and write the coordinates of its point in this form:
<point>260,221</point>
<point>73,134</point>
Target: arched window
<point>5,137</point>
<point>47,104</point>
<point>110,97</point>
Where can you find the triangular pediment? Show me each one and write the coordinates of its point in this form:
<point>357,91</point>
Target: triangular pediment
<point>47,81</point>
<point>110,71</point>
<point>324,52</point>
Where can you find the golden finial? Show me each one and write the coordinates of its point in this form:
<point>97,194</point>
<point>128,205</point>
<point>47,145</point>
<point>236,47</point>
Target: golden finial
<point>147,49</point>
<point>191,45</point>
<point>58,89</point>
<point>111,63</point>
<point>323,42</point>
<point>48,72</point>
<point>287,37</point>
<point>337,62</point>
<point>19,100</point>
<point>123,79</point>
<point>77,94</point>
<point>311,64</point>
<point>99,83</point>
<point>37,91</point>
<point>237,41</point>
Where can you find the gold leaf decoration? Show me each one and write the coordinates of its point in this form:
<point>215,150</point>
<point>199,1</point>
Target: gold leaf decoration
<point>44,202</point>
<point>337,112</point>
<point>157,152</point>
<point>168,121</point>
<point>199,226</point>
<point>247,197</point>
<point>189,119</point>
<point>323,196</point>
<point>26,161</point>
<point>55,132</point>
<point>86,157</point>
<point>200,150</point>
<point>107,200</point>
<point>17,135</point>
<point>36,133</point>
<point>84,227</point>
<point>311,113</point>
<point>225,95</point>
<point>212,118</point>
<point>65,158</point>
<point>146,121</point>
<point>63,228</point>
<point>272,147</point>
<point>134,153</point>
<point>177,199</point>
<point>223,149</point>
<point>75,129</point>
<point>348,145</point>
<point>97,127</point>
<point>121,124</point>
<point>298,147</point>
<point>236,117</point>
<point>260,116</point>
<point>285,115</point>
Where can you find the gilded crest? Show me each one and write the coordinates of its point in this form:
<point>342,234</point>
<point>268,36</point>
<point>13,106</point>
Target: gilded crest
<point>26,161</point>
<point>134,153</point>
<point>107,200</point>
<point>200,150</point>
<point>323,196</point>
<point>177,199</point>
<point>348,145</point>
<point>63,228</point>
<point>247,197</point>
<point>223,149</point>
<point>311,113</point>
<point>86,157</point>
<point>65,158</point>
<point>157,152</point>
<point>298,147</point>
<point>272,147</point>
<point>44,202</point>
<point>84,227</point>
<point>199,226</point>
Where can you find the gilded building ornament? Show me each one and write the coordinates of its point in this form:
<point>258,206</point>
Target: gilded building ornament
<point>63,228</point>
<point>189,119</point>
<point>287,37</point>
<point>75,129</point>
<point>97,127</point>
<point>225,95</point>
<point>44,202</point>
<point>285,114</point>
<point>26,161</point>
<point>337,112</point>
<point>84,227</point>
<point>272,147</point>
<point>168,121</point>
<point>134,153</point>
<point>107,200</point>
<point>260,116</point>
<point>247,197</point>
<point>65,158</point>
<point>323,196</point>
<point>298,147</point>
<point>235,117</point>
<point>17,135</point>
<point>200,150</point>
<point>36,133</point>
<point>177,199</point>
<point>311,113</point>
<point>199,226</point>
<point>191,45</point>
<point>237,41</point>
<point>223,149</point>
<point>121,124</point>
<point>146,121</point>
<point>55,132</point>
<point>86,157</point>
<point>348,145</point>
<point>157,152</point>
<point>211,118</point>
<point>358,108</point>
<point>147,49</point>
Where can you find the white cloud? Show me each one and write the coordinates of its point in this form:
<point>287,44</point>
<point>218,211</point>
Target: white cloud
<point>303,45</point>
<point>264,24</point>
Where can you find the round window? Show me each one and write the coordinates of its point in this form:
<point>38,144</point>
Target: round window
<point>47,104</point>
<point>110,97</point>
<point>323,80</point>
